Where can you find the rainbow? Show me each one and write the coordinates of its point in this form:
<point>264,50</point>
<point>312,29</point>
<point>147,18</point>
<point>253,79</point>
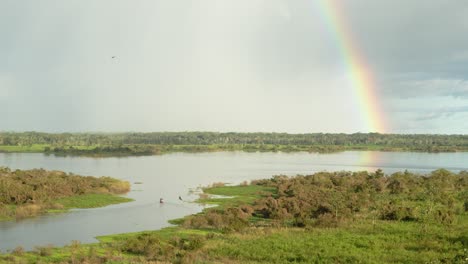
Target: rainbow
<point>370,160</point>
<point>359,72</point>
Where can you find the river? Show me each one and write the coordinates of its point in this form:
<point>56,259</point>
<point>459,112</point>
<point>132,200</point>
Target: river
<point>172,175</point>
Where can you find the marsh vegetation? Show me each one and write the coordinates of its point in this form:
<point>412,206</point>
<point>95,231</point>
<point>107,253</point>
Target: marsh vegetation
<point>327,217</point>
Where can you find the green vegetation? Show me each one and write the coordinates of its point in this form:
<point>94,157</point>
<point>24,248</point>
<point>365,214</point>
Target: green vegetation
<point>27,193</point>
<point>92,200</point>
<point>125,144</point>
<point>339,217</point>
<point>34,148</point>
<point>237,195</point>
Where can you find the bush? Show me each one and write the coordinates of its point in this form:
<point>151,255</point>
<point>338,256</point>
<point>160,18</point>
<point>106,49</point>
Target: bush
<point>327,220</point>
<point>444,216</point>
<point>193,242</point>
<point>148,245</point>
<point>217,184</point>
<point>394,211</point>
<point>5,211</point>
<point>18,251</point>
<point>44,251</point>
<point>228,220</point>
<point>203,196</point>
<point>27,210</point>
<point>119,187</point>
<point>55,206</point>
<point>197,221</point>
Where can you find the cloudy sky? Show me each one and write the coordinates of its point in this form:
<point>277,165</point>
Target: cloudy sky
<point>237,65</point>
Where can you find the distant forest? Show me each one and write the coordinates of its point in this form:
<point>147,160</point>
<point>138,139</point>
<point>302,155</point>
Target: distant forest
<point>162,142</point>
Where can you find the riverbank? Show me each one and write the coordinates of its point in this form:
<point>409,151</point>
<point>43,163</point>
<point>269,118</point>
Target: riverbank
<point>155,143</point>
<point>148,150</point>
<point>29,193</point>
<point>324,218</point>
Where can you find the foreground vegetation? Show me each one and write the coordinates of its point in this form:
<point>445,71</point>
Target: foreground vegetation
<point>124,144</point>
<point>339,217</point>
<point>27,193</point>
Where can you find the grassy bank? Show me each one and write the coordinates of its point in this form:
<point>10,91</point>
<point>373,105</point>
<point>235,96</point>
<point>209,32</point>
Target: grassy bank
<point>34,148</point>
<point>91,200</point>
<point>63,205</point>
<point>338,217</point>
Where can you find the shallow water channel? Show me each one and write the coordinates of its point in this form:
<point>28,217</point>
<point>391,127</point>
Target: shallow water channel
<point>168,176</point>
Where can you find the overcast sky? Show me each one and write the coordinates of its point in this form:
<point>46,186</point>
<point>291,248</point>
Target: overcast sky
<point>219,65</point>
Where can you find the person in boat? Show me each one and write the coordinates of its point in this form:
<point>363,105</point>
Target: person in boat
<point>161,200</point>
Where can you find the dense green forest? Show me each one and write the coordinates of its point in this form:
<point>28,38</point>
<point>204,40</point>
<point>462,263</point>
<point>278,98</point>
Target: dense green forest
<point>163,142</point>
<point>26,193</point>
<point>327,217</point>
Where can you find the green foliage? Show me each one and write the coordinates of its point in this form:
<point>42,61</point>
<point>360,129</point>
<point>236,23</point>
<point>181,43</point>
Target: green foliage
<point>389,242</point>
<point>26,193</point>
<point>243,190</point>
<point>44,250</point>
<point>347,196</point>
<point>327,217</point>
<point>123,144</point>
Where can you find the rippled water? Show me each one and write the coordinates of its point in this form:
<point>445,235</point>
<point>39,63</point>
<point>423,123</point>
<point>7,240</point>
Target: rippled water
<point>171,175</point>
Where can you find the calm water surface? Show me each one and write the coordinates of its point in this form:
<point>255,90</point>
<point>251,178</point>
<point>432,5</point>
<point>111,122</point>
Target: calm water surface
<point>171,175</point>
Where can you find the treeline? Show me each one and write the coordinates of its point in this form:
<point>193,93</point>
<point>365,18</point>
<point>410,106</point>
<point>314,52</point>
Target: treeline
<point>416,142</point>
<point>141,150</point>
<point>26,193</point>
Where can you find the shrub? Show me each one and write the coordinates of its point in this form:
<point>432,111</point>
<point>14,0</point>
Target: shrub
<point>394,211</point>
<point>5,211</point>
<point>327,220</point>
<point>444,216</point>
<point>44,251</point>
<point>197,221</point>
<point>18,251</point>
<point>203,196</point>
<point>27,210</point>
<point>55,206</point>
<point>119,187</point>
<point>148,245</point>
<point>193,242</point>
<point>218,184</point>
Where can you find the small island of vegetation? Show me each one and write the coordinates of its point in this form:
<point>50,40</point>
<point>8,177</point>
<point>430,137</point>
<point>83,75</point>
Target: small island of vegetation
<point>27,193</point>
<point>327,217</point>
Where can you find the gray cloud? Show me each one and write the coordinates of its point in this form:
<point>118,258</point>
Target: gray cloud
<point>456,88</point>
<point>441,113</point>
<point>412,36</point>
<point>246,65</point>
